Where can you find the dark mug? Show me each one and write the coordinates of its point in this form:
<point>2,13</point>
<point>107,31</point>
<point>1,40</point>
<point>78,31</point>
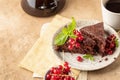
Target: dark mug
<point>42,8</point>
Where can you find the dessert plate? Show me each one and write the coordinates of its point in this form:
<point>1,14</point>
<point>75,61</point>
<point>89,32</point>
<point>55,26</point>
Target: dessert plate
<point>99,61</point>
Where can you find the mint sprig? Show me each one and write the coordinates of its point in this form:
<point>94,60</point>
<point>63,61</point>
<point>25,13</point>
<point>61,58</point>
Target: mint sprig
<point>116,42</point>
<point>89,56</point>
<point>66,32</point>
<point>60,39</point>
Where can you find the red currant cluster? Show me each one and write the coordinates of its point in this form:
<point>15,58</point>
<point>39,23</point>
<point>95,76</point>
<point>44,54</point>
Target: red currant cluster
<point>75,42</point>
<point>110,44</point>
<point>60,73</point>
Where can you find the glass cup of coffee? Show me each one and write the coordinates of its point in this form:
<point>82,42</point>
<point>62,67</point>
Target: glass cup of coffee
<point>42,8</point>
<point>111,13</point>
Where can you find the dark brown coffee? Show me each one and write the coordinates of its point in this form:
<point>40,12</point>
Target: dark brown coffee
<point>113,6</point>
<point>42,8</point>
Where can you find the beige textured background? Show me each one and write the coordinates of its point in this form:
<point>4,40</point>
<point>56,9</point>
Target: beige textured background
<point>19,31</point>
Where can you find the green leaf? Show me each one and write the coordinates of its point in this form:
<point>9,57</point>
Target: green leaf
<point>86,57</point>
<point>89,56</point>
<point>92,58</point>
<point>60,39</point>
<point>66,32</point>
<point>72,36</point>
<point>116,42</point>
<point>72,25</point>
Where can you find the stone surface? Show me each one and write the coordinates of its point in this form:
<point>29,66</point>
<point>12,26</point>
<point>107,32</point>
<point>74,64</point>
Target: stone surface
<point>19,31</point>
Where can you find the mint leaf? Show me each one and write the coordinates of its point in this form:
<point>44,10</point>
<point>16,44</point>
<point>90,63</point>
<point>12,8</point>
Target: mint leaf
<point>72,36</point>
<point>66,32</point>
<point>89,56</point>
<point>60,39</point>
<point>86,57</point>
<point>72,25</point>
<point>116,42</point>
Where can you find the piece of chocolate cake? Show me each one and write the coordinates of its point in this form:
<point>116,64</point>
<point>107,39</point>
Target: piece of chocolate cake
<point>93,42</point>
<point>96,33</point>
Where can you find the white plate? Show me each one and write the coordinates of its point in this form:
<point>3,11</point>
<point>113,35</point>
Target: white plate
<point>88,65</point>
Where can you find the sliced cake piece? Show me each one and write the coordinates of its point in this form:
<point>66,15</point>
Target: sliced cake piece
<point>96,33</point>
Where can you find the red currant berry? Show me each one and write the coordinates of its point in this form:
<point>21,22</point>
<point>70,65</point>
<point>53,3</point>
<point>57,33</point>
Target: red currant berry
<point>77,45</point>
<point>67,68</point>
<point>53,77</point>
<point>110,52</point>
<point>62,78</point>
<point>78,33</point>
<point>71,41</point>
<point>66,64</point>
<point>60,67</point>
<point>65,78</point>
<point>52,69</point>
<point>112,36</point>
<point>79,59</point>
<point>75,31</point>
<point>55,71</point>
<point>48,76</point>
<point>58,77</point>
<point>65,72</point>
<point>112,45</point>
<point>72,78</point>
<point>80,38</point>
<point>70,47</point>
<point>68,77</point>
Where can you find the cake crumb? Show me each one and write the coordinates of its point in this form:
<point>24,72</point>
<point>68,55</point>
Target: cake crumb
<point>114,57</point>
<point>100,61</point>
<point>106,59</point>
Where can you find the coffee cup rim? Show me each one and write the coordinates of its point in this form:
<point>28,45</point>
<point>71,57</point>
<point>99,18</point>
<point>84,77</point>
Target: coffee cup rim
<point>107,9</point>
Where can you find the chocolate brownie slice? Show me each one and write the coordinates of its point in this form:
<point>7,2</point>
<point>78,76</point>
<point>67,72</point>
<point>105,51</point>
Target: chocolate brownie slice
<point>96,33</point>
